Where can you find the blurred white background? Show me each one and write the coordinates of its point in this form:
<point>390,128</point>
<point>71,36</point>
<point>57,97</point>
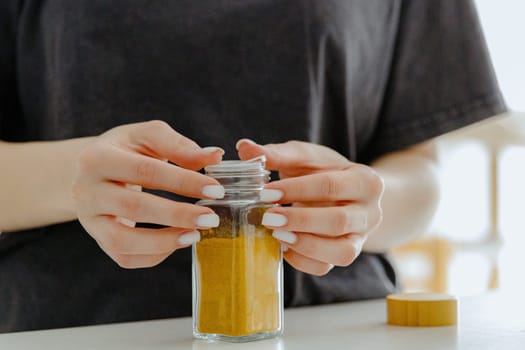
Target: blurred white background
<point>474,252</point>
<point>503,23</point>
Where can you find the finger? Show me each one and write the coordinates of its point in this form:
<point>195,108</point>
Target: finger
<point>340,251</point>
<point>356,183</point>
<point>138,261</point>
<point>331,221</point>
<point>121,239</point>
<point>305,264</point>
<point>115,164</point>
<point>125,221</point>
<point>156,138</point>
<point>114,200</point>
<point>294,157</point>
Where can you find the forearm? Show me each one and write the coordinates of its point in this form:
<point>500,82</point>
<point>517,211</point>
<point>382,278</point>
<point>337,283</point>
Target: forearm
<point>410,197</point>
<point>35,182</point>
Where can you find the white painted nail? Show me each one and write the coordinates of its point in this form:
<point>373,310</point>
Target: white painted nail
<point>358,242</point>
<point>238,144</point>
<point>212,149</point>
<point>189,238</point>
<point>285,236</point>
<point>275,220</point>
<point>132,187</point>
<point>213,191</point>
<point>330,267</point>
<point>126,222</point>
<point>208,220</point>
<point>270,195</point>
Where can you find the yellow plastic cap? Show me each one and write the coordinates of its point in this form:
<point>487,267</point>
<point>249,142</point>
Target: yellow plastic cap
<point>422,309</point>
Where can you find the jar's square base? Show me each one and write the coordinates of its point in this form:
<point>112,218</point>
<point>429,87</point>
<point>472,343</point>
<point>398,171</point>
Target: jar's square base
<point>237,339</point>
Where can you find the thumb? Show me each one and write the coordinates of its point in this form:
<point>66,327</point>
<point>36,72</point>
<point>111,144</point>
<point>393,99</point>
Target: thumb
<point>293,158</point>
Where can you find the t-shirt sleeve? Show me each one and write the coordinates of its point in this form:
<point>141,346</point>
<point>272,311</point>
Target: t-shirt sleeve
<point>441,77</point>
<point>8,95</point>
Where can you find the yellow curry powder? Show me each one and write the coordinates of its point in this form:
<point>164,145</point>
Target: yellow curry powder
<point>238,284</point>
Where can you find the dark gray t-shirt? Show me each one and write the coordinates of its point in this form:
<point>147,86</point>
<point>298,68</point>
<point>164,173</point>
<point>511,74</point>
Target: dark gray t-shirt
<point>363,77</point>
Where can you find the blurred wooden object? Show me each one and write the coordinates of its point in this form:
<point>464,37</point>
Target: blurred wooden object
<point>436,252</point>
<point>494,135</point>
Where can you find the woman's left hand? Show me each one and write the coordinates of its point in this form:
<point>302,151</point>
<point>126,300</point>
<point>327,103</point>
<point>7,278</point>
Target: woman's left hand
<point>335,203</point>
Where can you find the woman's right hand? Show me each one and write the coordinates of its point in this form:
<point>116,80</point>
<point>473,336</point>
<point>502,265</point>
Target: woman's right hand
<point>111,173</point>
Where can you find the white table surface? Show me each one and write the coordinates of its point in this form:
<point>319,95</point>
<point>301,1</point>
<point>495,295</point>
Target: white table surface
<point>490,321</point>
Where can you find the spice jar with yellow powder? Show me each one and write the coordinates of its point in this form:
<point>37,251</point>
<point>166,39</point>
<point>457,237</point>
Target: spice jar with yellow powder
<point>237,266</point>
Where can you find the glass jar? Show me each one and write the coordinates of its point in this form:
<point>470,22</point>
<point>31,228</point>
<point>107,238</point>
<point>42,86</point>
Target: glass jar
<point>237,266</point>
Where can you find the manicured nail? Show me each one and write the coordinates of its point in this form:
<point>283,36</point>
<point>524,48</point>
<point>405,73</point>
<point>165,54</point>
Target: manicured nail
<point>132,187</point>
<point>212,149</point>
<point>189,238</point>
<point>208,220</point>
<point>213,191</point>
<point>275,220</point>
<point>285,236</point>
<point>358,242</point>
<point>238,144</point>
<point>126,222</point>
<point>270,195</point>
<point>330,267</point>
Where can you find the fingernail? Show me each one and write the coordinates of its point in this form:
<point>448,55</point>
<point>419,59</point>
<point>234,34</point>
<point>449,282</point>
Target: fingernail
<point>276,220</point>
<point>132,187</point>
<point>285,236</point>
<point>270,195</point>
<point>213,191</point>
<point>126,222</point>
<point>189,238</point>
<point>358,242</point>
<point>212,149</point>
<point>237,145</point>
<point>330,267</point>
<point>208,220</point>
<point>284,248</point>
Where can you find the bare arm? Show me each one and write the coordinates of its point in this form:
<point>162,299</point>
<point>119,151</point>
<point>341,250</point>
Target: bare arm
<point>89,179</point>
<point>35,182</point>
<point>410,197</point>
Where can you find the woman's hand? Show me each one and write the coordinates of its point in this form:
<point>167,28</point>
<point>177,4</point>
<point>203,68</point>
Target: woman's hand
<point>336,203</point>
<point>111,172</point>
